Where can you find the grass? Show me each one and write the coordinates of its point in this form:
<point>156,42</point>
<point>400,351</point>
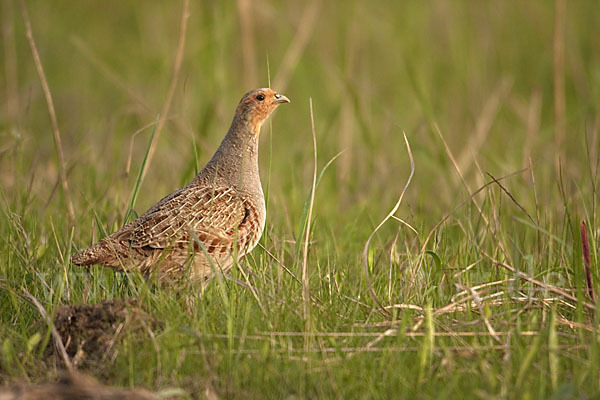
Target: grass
<point>476,288</point>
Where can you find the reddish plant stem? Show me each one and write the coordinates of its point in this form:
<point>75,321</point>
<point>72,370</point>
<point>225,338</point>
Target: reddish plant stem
<point>585,247</point>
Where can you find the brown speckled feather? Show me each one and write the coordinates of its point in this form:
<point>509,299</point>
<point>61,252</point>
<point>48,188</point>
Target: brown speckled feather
<point>217,217</point>
<point>215,211</point>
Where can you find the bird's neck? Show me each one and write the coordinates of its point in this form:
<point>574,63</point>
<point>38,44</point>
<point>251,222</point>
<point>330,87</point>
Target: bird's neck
<point>235,162</point>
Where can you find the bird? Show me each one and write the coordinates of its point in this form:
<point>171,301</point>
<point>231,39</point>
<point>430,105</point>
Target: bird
<point>209,224</point>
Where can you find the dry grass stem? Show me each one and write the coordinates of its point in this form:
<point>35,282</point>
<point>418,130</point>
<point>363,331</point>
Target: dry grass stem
<point>281,264</point>
<point>514,200</point>
<point>11,67</point>
<point>48,95</point>
<point>252,289</point>
<point>405,307</point>
<point>465,292</point>
<point>549,288</point>
<point>265,335</point>
<point>462,178</point>
<point>305,278</point>
<point>472,350</point>
<point>484,125</point>
<point>174,78</point>
<point>479,303</point>
<point>558,72</point>
<point>392,257</point>
<point>534,111</point>
<point>466,269</point>
<point>57,339</point>
<point>403,222</point>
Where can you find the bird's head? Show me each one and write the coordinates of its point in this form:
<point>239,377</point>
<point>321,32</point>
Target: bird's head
<point>256,106</point>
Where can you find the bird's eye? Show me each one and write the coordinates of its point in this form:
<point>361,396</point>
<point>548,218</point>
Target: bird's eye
<point>260,97</point>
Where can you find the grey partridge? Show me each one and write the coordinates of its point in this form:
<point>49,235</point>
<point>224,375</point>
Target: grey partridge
<point>208,224</point>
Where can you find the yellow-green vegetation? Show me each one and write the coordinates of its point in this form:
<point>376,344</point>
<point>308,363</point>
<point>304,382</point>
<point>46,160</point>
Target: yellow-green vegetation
<point>476,287</point>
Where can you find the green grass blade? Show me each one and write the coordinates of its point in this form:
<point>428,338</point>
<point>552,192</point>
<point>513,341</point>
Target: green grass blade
<point>138,181</point>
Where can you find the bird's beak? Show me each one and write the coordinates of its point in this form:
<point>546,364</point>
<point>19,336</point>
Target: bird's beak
<point>279,98</point>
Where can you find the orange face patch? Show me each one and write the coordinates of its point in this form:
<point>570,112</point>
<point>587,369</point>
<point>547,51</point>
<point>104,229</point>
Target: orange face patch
<point>261,109</point>
<point>256,106</point>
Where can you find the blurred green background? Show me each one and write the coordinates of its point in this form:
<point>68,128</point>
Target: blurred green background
<point>490,75</point>
<point>482,71</point>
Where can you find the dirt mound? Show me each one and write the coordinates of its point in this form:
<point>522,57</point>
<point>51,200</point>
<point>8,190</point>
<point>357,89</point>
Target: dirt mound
<point>90,333</point>
<point>72,386</point>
